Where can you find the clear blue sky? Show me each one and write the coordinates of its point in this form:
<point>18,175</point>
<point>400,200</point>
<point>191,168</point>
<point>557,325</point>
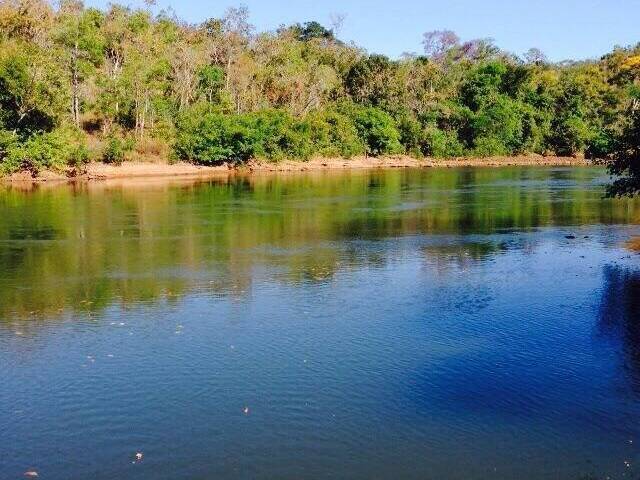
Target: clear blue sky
<point>563,29</point>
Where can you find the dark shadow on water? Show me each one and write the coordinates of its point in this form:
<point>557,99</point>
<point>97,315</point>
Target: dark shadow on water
<point>619,316</point>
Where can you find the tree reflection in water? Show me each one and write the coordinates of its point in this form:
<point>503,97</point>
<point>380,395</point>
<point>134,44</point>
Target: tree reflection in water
<point>619,317</point>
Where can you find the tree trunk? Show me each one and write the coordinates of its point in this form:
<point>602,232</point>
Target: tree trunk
<point>75,101</point>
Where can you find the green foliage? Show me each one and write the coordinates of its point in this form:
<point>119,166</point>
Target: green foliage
<point>276,135</point>
<point>625,162</point>
<point>212,138</point>
<point>55,149</point>
<point>489,147</point>
<point>220,92</point>
<point>411,135</point>
<point>373,81</point>
<point>498,127</point>
<point>211,82</point>
<point>482,83</point>
<point>377,130</point>
<point>311,30</point>
<point>601,145</point>
<point>333,134</point>
<point>30,95</point>
<point>441,144</point>
<point>115,149</point>
<point>8,142</point>
<point>571,135</point>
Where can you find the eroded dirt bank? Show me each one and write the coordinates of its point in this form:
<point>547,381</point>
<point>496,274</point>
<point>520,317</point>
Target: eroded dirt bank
<point>101,171</point>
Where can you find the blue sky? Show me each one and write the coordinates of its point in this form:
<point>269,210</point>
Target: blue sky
<point>563,29</point>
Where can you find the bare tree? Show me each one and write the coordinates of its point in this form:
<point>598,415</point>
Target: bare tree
<point>337,22</point>
<point>236,21</point>
<point>438,42</point>
<point>536,56</point>
<point>237,32</point>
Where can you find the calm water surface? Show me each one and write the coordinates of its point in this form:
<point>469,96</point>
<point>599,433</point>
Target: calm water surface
<point>399,324</point>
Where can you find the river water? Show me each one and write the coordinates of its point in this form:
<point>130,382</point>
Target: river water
<point>405,324</point>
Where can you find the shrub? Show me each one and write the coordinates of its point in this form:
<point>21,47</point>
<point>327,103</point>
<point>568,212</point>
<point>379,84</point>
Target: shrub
<point>571,135</point>
<point>212,138</point>
<point>377,130</point>
<point>441,144</point>
<point>490,146</point>
<point>8,140</point>
<point>276,135</point>
<point>63,146</point>
<point>115,150</point>
<point>601,146</point>
<point>411,135</point>
<point>498,127</point>
<point>333,134</point>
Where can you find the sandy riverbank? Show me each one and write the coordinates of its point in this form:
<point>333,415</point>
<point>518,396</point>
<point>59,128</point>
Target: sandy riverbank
<point>101,171</point>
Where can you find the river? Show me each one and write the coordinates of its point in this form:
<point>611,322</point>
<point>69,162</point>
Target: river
<point>407,324</point>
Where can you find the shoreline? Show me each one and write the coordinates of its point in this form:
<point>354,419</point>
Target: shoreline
<point>96,172</point>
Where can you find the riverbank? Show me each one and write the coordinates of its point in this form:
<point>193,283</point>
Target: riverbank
<point>101,171</point>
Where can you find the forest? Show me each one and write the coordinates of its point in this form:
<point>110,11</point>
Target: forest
<point>81,84</point>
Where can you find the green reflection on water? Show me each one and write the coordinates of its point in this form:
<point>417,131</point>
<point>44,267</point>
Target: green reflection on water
<point>84,247</point>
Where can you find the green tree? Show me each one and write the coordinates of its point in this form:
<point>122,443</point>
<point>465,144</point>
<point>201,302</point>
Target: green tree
<point>377,130</point>
<point>82,44</point>
<point>625,162</point>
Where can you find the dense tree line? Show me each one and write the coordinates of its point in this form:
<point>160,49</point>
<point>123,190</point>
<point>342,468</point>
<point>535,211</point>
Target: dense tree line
<point>78,83</point>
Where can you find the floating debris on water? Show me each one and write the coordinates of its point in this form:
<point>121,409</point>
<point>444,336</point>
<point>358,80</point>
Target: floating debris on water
<point>246,410</point>
<point>30,473</point>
